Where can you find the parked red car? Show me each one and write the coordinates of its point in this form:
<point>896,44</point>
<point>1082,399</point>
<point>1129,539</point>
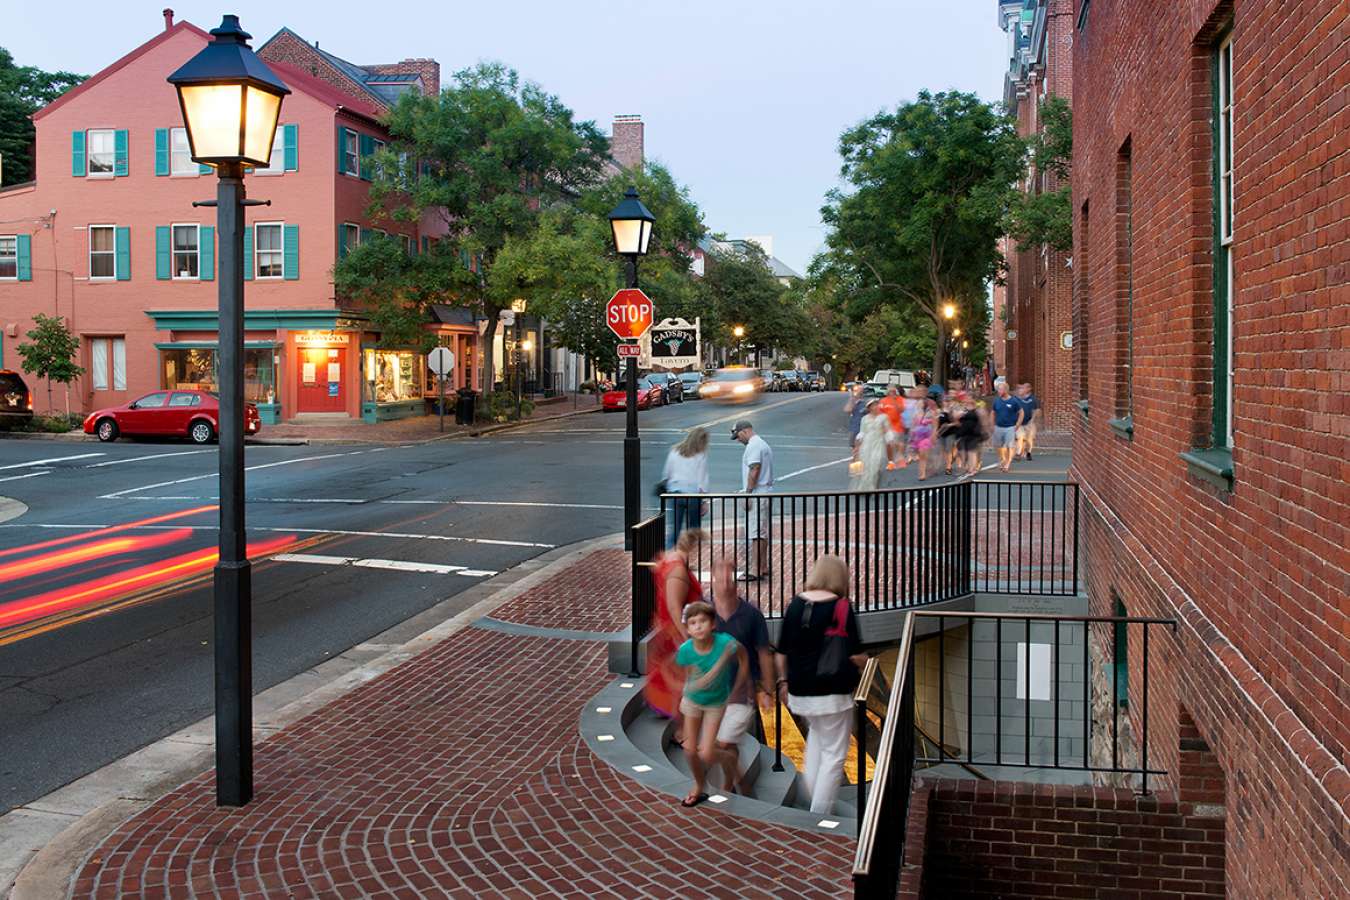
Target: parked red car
<point>191,414</point>
<point>651,391</point>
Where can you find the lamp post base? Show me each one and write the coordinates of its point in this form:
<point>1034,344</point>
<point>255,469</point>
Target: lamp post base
<point>234,682</point>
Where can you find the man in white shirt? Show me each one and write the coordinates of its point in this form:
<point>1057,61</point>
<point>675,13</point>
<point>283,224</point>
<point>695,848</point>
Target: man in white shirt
<point>756,478</point>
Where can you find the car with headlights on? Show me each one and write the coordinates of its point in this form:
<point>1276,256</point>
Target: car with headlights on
<point>733,385</point>
<point>16,400</point>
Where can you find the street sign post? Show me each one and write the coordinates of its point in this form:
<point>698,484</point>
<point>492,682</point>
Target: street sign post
<point>673,344</point>
<point>441,360</point>
<point>629,313</point>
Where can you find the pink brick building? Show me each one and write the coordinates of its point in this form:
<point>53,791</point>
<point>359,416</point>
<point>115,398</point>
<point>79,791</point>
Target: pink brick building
<point>107,238</point>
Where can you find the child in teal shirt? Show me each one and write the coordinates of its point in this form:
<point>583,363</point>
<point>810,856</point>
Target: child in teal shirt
<point>712,661</point>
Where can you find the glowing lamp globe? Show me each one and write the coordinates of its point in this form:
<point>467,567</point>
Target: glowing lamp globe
<point>631,223</point>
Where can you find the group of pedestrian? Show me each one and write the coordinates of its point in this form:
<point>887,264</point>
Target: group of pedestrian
<point>710,665</point>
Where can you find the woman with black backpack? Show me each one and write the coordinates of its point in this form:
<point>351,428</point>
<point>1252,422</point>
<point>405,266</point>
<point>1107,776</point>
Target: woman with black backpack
<point>819,660</point>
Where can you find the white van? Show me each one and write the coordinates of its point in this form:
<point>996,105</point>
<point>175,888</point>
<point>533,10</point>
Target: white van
<point>898,377</point>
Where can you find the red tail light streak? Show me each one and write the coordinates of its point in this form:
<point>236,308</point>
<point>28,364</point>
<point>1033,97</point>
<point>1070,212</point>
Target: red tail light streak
<point>112,529</point>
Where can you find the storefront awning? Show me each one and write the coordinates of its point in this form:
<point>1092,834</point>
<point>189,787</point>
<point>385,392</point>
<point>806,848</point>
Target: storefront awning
<point>254,319</point>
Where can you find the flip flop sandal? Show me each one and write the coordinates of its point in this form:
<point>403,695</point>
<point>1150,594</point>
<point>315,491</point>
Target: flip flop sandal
<point>691,802</point>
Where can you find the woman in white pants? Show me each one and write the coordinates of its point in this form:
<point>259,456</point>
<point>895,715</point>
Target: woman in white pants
<point>819,659</point>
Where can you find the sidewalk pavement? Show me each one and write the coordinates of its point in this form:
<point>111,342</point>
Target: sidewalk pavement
<point>460,772</point>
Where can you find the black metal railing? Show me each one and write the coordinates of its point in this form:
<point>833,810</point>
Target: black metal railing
<point>1033,708</point>
<point>648,541</point>
<point>1024,537</point>
<point>904,547</point>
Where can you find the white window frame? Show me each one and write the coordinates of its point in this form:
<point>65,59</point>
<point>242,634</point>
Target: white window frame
<point>190,168</point>
<point>14,238</point>
<point>408,243</point>
<point>1226,209</point>
<point>111,253</point>
<point>353,232</point>
<point>110,372</point>
<point>174,251</point>
<point>351,162</point>
<point>276,163</point>
<point>89,152</point>
<point>280,251</point>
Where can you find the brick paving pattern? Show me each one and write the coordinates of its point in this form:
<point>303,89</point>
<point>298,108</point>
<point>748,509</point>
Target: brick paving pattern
<point>593,597</point>
<point>459,773</point>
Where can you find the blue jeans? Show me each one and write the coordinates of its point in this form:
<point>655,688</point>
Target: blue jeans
<point>686,512</point>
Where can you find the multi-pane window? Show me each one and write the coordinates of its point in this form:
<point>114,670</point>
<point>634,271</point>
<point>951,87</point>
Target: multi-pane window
<point>9,256</point>
<point>351,154</point>
<point>268,253</point>
<point>102,151</point>
<point>102,251</point>
<point>1223,256</point>
<point>108,363</point>
<point>180,154</point>
<point>276,163</point>
<point>186,245</point>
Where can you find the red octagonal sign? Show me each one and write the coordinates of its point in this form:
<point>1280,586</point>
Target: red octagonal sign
<point>629,313</point>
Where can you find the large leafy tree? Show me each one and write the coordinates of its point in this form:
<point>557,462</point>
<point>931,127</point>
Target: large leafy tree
<point>927,191</point>
<point>23,91</point>
<point>491,155</point>
<point>740,289</point>
<point>1043,213</point>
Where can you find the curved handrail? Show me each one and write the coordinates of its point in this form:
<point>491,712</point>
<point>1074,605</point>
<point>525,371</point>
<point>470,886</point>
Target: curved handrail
<point>867,827</point>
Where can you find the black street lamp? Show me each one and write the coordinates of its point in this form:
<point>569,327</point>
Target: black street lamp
<point>631,223</point>
<point>231,101</point>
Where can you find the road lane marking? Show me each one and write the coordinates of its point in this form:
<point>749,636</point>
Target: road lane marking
<point>833,462</point>
<point>398,535</point>
<point>507,503</point>
<point>396,565</point>
<point>285,462</point>
<point>118,462</point>
<point>54,459</point>
<point>29,475</point>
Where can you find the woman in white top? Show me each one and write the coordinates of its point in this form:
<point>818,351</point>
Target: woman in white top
<point>686,472</point>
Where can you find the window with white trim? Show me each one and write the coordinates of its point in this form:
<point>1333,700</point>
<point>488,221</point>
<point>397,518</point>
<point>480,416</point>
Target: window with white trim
<point>186,251</point>
<point>352,236</point>
<point>9,257</point>
<point>108,363</point>
<point>1223,294</point>
<point>101,150</point>
<point>268,253</point>
<point>276,163</point>
<point>102,251</point>
<point>352,153</point>
<point>180,154</point>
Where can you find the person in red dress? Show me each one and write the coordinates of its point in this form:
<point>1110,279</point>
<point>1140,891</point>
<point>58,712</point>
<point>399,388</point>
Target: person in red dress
<point>676,588</point>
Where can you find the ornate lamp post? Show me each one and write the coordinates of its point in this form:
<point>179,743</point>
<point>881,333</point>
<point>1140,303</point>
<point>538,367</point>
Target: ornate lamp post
<point>230,101</point>
<point>631,223</point>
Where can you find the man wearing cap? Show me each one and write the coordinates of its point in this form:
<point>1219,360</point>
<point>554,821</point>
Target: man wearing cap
<point>756,478</point>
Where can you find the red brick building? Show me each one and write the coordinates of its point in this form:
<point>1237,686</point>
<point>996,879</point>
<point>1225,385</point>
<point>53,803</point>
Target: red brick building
<point>1211,192</point>
<point>1035,319</point>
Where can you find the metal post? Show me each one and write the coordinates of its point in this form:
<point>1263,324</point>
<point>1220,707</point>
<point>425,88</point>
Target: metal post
<point>441,380</point>
<point>632,447</point>
<point>861,726</point>
<point>233,588</point>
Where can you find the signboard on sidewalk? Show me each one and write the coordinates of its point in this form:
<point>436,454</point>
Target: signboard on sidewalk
<point>674,344</point>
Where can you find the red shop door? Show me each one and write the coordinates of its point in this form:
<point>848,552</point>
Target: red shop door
<point>321,380</point>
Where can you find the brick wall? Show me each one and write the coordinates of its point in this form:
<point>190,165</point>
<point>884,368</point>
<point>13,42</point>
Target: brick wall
<point>427,69</point>
<point>1019,840</point>
<point>287,48</point>
<point>626,145</point>
<point>1257,575</point>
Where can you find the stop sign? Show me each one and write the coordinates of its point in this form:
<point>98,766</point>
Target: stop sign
<point>629,313</point>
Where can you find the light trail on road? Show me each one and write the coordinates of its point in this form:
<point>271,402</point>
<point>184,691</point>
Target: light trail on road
<point>109,529</point>
<point>48,562</point>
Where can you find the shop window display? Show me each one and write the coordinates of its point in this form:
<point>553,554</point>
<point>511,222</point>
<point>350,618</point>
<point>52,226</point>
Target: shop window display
<point>194,369</point>
<point>392,375</point>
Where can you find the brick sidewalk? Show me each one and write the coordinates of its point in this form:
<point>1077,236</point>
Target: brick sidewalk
<point>461,773</point>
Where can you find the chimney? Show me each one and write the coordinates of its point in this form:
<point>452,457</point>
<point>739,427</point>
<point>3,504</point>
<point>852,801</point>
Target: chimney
<point>626,145</point>
<point>168,19</point>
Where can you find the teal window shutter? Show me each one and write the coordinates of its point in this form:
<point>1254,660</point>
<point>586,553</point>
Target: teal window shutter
<point>122,256</point>
<point>248,253</point>
<point>290,245</point>
<point>120,166</point>
<point>25,248</point>
<point>342,241</point>
<point>290,147</point>
<point>426,242</point>
<point>161,151</point>
<point>206,253</point>
<point>77,154</point>
<point>163,258</point>
<point>341,149</point>
<point>366,145</point>
<point>365,235</point>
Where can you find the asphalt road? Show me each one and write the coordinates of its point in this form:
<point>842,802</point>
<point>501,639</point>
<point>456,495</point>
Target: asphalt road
<point>105,600</point>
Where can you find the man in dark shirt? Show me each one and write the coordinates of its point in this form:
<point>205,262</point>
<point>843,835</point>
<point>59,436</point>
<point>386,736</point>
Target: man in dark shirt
<point>1008,415</point>
<point>746,624</point>
<point>1026,433</point>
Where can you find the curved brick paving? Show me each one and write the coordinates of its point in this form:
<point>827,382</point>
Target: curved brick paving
<point>592,596</point>
<point>458,773</point>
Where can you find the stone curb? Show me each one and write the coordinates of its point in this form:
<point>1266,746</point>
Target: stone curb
<point>11,509</point>
<point>45,843</point>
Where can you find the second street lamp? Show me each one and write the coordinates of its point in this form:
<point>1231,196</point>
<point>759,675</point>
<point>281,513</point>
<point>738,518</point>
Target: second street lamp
<point>631,223</point>
<point>231,101</point>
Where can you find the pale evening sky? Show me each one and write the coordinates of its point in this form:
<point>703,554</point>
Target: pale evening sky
<point>744,101</point>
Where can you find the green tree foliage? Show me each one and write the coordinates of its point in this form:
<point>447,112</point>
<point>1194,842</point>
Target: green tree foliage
<point>50,352</point>
<point>491,155</point>
<point>917,224</point>
<point>738,288</point>
<point>23,91</point>
<point>1043,213</point>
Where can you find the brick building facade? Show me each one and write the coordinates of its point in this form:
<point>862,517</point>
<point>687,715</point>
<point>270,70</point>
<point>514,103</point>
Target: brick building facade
<point>1037,304</point>
<point>1212,259</point>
